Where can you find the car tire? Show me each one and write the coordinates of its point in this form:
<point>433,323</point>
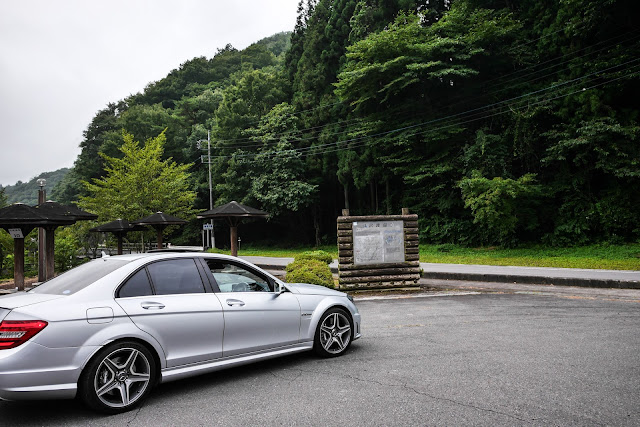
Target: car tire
<point>333,334</point>
<point>118,378</point>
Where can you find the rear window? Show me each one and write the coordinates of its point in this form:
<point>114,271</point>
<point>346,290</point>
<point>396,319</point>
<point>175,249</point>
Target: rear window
<point>79,278</point>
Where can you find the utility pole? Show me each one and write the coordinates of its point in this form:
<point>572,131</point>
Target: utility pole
<point>211,235</point>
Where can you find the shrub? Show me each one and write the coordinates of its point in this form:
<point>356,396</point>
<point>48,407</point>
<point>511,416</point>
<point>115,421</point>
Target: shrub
<point>309,271</point>
<point>321,256</point>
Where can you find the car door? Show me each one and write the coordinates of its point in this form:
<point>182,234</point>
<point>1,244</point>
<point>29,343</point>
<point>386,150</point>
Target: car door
<point>256,318</point>
<point>168,300</point>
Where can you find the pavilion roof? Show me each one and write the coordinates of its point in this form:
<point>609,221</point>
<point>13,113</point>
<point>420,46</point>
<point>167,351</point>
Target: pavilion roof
<point>233,209</point>
<point>159,219</point>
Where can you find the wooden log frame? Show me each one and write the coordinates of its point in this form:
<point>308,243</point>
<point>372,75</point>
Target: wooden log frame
<point>372,276</point>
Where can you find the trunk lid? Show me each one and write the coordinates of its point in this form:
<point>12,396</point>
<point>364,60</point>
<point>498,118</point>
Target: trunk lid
<point>21,299</point>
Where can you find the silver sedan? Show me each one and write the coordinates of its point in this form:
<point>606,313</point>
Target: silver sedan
<point>111,329</point>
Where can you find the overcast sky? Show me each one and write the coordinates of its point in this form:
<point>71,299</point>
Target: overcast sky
<point>63,60</point>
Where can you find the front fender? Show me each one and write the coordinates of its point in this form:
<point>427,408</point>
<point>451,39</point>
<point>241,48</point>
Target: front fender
<point>314,306</point>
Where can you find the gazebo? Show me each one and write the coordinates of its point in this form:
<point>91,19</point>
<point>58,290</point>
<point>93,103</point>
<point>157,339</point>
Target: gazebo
<point>159,221</point>
<point>119,228</point>
<point>19,219</point>
<point>64,214</point>
<point>234,212</point>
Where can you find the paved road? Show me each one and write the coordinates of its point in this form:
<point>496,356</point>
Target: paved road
<point>444,358</point>
<point>492,273</point>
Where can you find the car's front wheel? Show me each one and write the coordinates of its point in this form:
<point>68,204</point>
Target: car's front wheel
<point>334,332</point>
<point>118,378</point>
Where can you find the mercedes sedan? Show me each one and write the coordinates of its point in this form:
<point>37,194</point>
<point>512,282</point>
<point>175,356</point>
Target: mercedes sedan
<point>108,331</point>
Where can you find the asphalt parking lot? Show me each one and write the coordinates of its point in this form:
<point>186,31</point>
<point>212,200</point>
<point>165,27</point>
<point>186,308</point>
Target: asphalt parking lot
<point>442,358</point>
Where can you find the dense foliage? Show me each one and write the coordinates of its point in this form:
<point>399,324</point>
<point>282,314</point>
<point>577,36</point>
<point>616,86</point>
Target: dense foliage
<point>498,122</point>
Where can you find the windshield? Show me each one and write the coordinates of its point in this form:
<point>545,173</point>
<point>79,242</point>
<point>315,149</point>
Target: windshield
<point>78,278</point>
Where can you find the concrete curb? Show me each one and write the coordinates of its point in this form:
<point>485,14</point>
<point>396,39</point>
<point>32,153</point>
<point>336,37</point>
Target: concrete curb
<point>534,280</point>
<point>505,278</point>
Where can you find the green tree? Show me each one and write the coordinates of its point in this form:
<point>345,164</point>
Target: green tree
<point>3,198</point>
<point>500,205</point>
<point>140,183</point>
<point>278,180</point>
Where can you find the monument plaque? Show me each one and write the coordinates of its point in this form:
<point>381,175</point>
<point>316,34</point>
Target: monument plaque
<point>378,251</point>
<point>378,242</point>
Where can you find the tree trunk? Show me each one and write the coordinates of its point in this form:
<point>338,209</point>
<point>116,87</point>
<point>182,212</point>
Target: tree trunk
<point>388,196</point>
<point>346,196</point>
<point>372,194</point>
<point>316,224</point>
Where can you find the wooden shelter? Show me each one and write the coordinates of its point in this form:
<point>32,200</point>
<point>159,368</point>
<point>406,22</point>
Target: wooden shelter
<point>19,219</point>
<point>66,215</point>
<point>159,221</point>
<point>119,227</point>
<point>233,212</point>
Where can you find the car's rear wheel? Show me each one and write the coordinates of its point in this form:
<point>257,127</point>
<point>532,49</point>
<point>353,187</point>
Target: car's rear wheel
<point>118,378</point>
<point>334,332</point>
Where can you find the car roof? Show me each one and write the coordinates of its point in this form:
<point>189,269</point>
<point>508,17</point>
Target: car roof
<point>168,254</point>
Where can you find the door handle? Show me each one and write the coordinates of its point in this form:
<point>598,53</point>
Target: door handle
<point>152,305</point>
<point>235,302</point>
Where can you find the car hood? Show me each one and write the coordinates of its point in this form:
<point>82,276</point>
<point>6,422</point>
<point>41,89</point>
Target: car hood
<point>307,289</point>
<point>22,299</point>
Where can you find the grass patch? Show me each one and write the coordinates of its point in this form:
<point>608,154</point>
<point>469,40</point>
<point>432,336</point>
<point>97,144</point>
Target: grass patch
<point>601,256</point>
<point>282,252</point>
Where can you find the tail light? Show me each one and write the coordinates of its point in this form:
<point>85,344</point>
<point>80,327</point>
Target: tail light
<point>14,333</point>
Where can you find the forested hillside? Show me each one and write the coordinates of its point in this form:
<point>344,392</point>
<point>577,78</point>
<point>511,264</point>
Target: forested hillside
<point>27,192</point>
<point>498,122</point>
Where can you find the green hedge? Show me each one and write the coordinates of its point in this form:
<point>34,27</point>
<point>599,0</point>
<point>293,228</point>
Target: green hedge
<point>321,256</point>
<point>310,271</point>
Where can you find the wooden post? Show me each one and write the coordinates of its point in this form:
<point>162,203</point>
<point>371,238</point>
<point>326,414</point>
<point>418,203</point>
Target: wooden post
<point>233,231</point>
<point>42,268</point>
<point>49,251</point>
<point>119,235</point>
<point>18,263</point>
<point>159,238</point>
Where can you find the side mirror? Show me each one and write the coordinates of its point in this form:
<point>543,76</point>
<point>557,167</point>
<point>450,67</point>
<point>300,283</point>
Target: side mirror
<point>280,289</point>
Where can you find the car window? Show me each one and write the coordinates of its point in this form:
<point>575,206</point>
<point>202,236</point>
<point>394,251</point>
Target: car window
<point>138,285</point>
<point>175,276</point>
<point>234,278</point>
<point>80,277</point>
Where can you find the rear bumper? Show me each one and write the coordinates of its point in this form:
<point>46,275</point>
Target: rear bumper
<point>33,371</point>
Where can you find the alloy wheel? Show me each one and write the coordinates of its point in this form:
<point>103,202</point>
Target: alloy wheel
<point>122,377</point>
<point>335,333</point>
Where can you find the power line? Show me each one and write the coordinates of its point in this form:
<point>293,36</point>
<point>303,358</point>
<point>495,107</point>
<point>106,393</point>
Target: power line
<point>478,110</point>
<point>319,149</point>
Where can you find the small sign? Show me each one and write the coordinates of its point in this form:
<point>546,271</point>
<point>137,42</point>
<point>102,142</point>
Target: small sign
<point>207,226</point>
<point>16,233</point>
